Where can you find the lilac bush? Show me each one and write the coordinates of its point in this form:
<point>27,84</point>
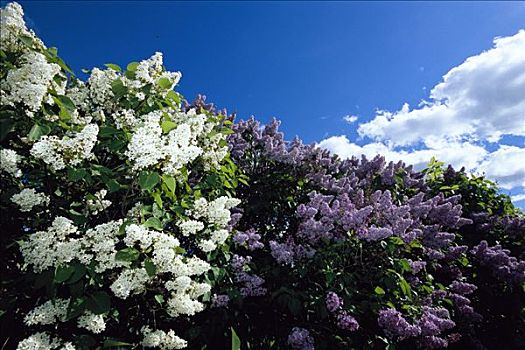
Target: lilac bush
<point>137,219</point>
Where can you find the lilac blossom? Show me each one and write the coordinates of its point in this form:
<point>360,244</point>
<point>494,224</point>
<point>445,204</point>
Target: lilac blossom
<point>393,322</point>
<point>249,238</point>
<point>300,339</point>
<point>220,300</point>
<point>347,322</point>
<point>333,302</point>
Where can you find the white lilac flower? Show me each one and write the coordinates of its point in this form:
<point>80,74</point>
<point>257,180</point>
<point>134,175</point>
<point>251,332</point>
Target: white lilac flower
<point>148,69</point>
<point>91,322</point>
<point>180,149</point>
<point>198,289</point>
<point>29,84</point>
<point>139,234</point>
<point>52,311</point>
<point>145,147</point>
<point>161,339</point>
<point>29,198</point>
<point>130,281</point>
<point>98,204</point>
<point>12,26</point>
<point>174,150</point>
<point>190,227</point>
<point>99,244</point>
<point>218,210</point>
<point>197,266</point>
<point>207,245</point>
<point>79,94</point>
<point>151,71</point>
<point>200,208</point>
<point>39,341</point>
<point>180,284</point>
<point>183,304</point>
<point>70,150</point>
<point>9,162</point>
<point>99,84</point>
<point>125,118</point>
<point>52,247</point>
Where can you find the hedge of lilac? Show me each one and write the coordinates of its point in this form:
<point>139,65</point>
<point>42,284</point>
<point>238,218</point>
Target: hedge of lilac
<point>135,219</point>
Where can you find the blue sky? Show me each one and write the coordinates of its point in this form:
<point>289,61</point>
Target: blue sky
<point>310,64</point>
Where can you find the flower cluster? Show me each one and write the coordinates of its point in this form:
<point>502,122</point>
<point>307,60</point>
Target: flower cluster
<point>500,262</point>
<point>161,339</point>
<point>96,203</point>
<point>9,162</point>
<point>69,150</point>
<point>30,83</point>
<point>29,198</point>
<point>300,339</point>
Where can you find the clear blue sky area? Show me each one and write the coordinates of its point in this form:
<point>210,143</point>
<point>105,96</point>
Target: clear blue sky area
<point>306,63</point>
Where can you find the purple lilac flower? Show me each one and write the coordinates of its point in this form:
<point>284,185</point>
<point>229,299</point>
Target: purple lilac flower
<point>417,266</point>
<point>300,339</point>
<point>250,238</point>
<point>433,342</point>
<point>500,262</point>
<point>375,233</point>
<point>434,321</point>
<point>393,322</point>
<point>283,253</point>
<point>347,322</point>
<point>238,261</point>
<point>220,300</point>
<point>462,288</point>
<point>251,284</point>
<point>333,302</point>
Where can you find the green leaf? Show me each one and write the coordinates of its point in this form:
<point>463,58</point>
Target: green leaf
<point>167,126</point>
<point>110,343</point>
<point>172,95</point>
<point>85,341</point>
<point>170,182</point>
<point>148,180</point>
<point>62,273</point>
<point>79,272</point>
<point>159,298</point>
<point>405,287</point>
<point>113,185</point>
<point>158,199</point>
<point>6,125</point>
<point>295,306</point>
<point>132,66</point>
<point>150,267</point>
<point>236,342</point>
<point>165,83</point>
<point>118,88</point>
<point>76,174</point>
<point>75,308</point>
<point>37,131</point>
<point>99,302</point>
<point>67,103</point>
<point>153,223</point>
<point>27,40</point>
<point>379,291</point>
<point>127,254</point>
<point>113,66</point>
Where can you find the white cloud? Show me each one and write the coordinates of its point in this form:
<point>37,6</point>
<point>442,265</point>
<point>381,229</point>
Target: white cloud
<point>506,165</point>
<point>459,154</point>
<point>482,98</point>
<point>518,197</point>
<point>350,118</point>
<point>479,101</point>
